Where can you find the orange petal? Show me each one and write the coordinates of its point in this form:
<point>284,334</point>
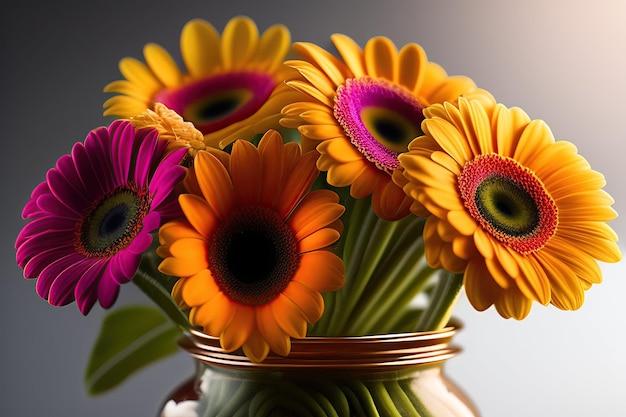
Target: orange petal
<point>310,302</point>
<point>245,170</point>
<point>289,317</point>
<point>256,348</point>
<point>199,214</point>
<point>213,315</point>
<point>198,289</point>
<point>238,330</point>
<point>278,340</point>
<point>320,271</point>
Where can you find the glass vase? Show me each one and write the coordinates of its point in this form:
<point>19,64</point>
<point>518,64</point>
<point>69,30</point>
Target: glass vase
<point>386,375</point>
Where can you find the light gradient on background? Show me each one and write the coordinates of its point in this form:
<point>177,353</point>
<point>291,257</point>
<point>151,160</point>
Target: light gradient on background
<point>561,61</point>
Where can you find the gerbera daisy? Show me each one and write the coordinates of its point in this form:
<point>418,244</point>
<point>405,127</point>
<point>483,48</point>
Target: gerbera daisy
<point>172,128</point>
<point>91,219</point>
<point>252,249</point>
<point>232,87</point>
<point>363,110</point>
<point>521,215</point>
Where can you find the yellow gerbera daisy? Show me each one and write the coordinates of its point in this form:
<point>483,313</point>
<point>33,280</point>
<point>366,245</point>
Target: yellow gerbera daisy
<point>522,215</point>
<point>363,110</point>
<point>232,86</point>
<point>252,249</point>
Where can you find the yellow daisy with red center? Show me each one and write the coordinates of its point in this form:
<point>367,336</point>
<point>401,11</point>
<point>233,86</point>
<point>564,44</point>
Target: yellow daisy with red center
<point>521,215</point>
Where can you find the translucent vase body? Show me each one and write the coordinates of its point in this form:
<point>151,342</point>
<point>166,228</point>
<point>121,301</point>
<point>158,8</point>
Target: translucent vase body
<point>387,375</point>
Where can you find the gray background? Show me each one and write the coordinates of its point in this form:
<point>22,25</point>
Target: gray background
<point>562,61</point>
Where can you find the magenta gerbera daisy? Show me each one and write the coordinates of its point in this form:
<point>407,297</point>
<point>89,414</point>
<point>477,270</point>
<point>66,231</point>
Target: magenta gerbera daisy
<point>92,218</point>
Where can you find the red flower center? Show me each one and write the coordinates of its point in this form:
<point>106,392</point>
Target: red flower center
<point>216,102</point>
<point>509,201</point>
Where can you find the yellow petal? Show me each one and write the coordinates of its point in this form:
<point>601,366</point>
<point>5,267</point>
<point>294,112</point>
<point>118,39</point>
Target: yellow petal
<point>200,48</point>
<point>351,54</point>
<point>162,65</point>
<point>411,61</point>
<point>239,41</point>
<point>381,58</point>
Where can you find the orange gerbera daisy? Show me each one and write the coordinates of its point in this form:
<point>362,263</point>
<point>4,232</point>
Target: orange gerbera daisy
<point>522,215</point>
<point>232,86</point>
<point>364,110</point>
<point>252,251</point>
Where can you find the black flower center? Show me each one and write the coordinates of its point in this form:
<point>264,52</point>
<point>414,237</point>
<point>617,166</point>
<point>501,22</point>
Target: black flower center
<point>507,206</point>
<point>253,256</point>
<point>112,223</point>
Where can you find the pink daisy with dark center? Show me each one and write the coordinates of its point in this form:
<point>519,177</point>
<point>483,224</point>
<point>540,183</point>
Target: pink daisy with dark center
<point>92,218</point>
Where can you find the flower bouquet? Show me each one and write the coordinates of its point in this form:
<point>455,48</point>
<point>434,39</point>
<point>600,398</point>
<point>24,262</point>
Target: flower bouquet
<point>272,191</point>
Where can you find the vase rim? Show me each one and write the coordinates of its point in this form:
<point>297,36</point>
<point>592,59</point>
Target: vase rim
<point>389,351</point>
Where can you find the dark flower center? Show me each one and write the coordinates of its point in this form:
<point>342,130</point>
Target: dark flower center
<point>379,117</point>
<point>112,223</point>
<point>509,202</point>
<point>253,256</point>
<point>218,101</point>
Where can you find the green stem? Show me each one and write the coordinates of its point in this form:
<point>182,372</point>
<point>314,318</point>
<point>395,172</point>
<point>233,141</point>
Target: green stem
<point>361,226</point>
<point>399,279</point>
<point>444,297</point>
<point>157,287</point>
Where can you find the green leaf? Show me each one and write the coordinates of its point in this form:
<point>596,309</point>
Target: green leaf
<point>130,338</point>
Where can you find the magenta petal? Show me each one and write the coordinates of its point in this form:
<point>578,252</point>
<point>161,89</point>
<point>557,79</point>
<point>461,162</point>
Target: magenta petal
<point>35,265</point>
<point>62,289</point>
<point>161,188</point>
<point>86,292</point>
<point>89,178</point>
<point>122,148</point>
<point>47,223</point>
<point>123,266</point>
<point>146,157</point>
<point>151,222</point>
<point>31,208</point>
<point>97,149</point>
<point>45,241</point>
<point>174,158</point>
<point>65,191</point>
<point>140,243</point>
<point>51,205</point>
<point>51,272</point>
<point>108,289</point>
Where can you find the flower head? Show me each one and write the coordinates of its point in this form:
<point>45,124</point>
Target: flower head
<point>522,215</point>
<point>91,219</point>
<point>232,86</point>
<point>172,128</point>
<point>362,111</point>
<point>252,249</point>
